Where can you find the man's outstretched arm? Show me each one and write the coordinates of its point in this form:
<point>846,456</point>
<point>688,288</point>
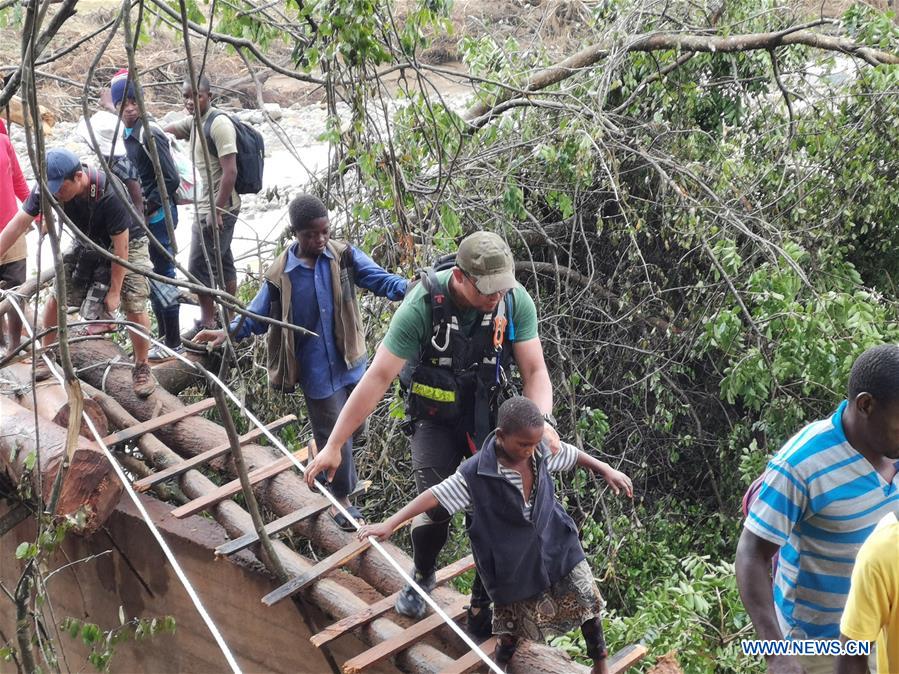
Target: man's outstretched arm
<point>361,403</point>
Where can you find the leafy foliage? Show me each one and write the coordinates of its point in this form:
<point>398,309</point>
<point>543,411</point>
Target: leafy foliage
<point>103,643</point>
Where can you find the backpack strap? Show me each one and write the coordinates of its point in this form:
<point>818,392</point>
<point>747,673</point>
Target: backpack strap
<point>97,188</point>
<point>440,333</point>
<point>207,131</point>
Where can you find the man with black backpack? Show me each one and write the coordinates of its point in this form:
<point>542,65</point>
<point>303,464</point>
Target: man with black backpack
<point>136,132</point>
<point>459,330</point>
<point>235,162</point>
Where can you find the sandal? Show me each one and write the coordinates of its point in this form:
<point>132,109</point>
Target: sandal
<point>343,523</point>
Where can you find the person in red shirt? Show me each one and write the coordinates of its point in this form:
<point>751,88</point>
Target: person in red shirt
<point>12,264</point>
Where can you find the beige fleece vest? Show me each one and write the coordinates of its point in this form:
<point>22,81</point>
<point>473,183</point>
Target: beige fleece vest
<point>283,369</point>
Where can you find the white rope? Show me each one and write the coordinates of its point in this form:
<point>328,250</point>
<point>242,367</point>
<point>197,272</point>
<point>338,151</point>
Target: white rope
<point>143,512</point>
<point>106,371</point>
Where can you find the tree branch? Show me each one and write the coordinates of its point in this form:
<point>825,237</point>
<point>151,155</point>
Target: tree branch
<point>588,57</point>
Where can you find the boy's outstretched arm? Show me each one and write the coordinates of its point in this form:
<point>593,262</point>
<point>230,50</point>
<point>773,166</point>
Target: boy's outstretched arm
<point>614,478</point>
<point>421,503</point>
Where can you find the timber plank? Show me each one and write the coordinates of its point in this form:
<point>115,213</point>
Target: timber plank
<point>471,659</point>
<point>282,523</point>
<point>404,639</point>
<point>626,658</point>
<point>328,564</point>
<point>381,606</point>
<point>226,490</point>
<point>151,425</point>
<point>210,454</point>
<point>273,527</point>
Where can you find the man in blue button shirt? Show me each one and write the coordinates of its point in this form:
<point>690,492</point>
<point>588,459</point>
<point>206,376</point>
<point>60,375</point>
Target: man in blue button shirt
<point>311,284</point>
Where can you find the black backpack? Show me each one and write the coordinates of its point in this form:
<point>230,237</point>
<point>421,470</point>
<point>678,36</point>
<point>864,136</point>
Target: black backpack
<point>250,153</point>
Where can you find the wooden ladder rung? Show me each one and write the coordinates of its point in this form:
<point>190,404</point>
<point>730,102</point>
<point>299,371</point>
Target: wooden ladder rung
<point>231,488</point>
<point>328,564</point>
<point>283,523</point>
<point>151,425</point>
<point>381,606</point>
<point>626,658</point>
<point>272,528</point>
<point>403,640</point>
<point>471,659</point>
<point>210,454</point>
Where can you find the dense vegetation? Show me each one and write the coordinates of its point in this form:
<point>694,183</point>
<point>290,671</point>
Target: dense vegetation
<point>710,241</point>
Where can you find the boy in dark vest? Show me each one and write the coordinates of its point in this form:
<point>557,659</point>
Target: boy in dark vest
<point>312,285</point>
<point>525,545</point>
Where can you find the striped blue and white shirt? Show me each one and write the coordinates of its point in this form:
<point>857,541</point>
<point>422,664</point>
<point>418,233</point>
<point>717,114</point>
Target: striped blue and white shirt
<point>453,492</point>
<point>820,500</point>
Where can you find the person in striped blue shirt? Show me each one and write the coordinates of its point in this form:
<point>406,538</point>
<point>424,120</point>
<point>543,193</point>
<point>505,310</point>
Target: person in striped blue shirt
<point>823,494</point>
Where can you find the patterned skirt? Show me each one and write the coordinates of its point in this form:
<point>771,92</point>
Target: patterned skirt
<point>563,607</point>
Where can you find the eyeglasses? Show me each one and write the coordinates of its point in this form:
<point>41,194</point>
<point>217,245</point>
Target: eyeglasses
<point>474,283</point>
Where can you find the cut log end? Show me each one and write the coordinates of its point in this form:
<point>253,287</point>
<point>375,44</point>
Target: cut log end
<point>93,410</point>
<point>90,489</point>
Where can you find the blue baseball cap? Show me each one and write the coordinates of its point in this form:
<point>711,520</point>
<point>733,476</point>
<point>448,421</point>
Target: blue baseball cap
<point>61,163</point>
<point>120,87</point>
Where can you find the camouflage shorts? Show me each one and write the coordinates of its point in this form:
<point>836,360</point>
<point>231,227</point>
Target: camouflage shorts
<point>135,288</point>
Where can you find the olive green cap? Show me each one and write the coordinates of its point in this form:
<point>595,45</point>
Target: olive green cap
<point>486,258</point>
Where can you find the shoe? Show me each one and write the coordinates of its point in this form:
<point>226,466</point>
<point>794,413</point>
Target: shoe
<point>158,353</point>
<point>142,380</point>
<point>480,624</point>
<point>343,522</point>
<point>41,369</point>
<point>409,603</point>
<point>187,338</point>
<point>504,651</point>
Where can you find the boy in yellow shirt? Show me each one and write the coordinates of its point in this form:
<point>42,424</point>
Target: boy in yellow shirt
<point>872,610</point>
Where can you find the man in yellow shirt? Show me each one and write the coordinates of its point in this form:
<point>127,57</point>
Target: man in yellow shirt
<point>872,610</point>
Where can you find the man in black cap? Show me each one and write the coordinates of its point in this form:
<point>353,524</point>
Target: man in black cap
<point>460,328</point>
<point>90,202</point>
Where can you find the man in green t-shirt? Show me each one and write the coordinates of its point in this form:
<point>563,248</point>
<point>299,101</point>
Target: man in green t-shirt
<point>460,352</point>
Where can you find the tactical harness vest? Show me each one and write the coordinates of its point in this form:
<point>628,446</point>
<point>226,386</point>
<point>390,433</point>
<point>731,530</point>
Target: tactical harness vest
<point>460,378</point>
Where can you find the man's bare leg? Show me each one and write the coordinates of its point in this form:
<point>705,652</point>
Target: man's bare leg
<point>48,320</point>
<point>140,343</point>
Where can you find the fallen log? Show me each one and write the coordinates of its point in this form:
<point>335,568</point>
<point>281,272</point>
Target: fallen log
<point>16,114</point>
<point>90,486</point>
<point>285,494</point>
<point>52,400</point>
<point>27,289</point>
<point>175,376</point>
